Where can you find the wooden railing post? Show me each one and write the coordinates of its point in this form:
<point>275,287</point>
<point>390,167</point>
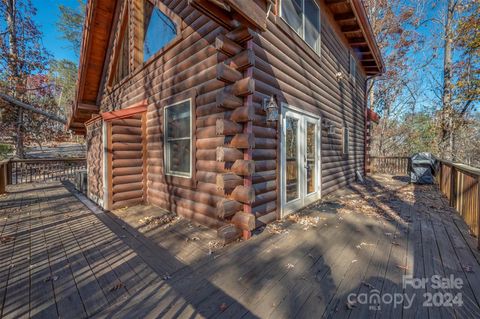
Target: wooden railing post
<point>478,211</point>
<point>3,177</point>
<point>453,177</point>
<point>9,173</point>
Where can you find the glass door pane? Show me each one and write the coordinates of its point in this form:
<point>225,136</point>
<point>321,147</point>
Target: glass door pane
<point>291,155</point>
<point>310,157</point>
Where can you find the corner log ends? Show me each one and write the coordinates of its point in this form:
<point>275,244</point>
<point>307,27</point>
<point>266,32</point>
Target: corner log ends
<point>234,165</point>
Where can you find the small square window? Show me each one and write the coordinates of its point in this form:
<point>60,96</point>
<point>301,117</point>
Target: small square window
<point>345,140</point>
<point>178,139</point>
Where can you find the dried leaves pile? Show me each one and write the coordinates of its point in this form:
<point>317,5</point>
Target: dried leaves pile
<point>150,222</point>
<point>305,221</point>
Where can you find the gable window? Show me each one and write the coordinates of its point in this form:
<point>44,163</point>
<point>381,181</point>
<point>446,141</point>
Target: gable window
<point>178,139</point>
<point>121,66</point>
<point>158,30</point>
<point>345,140</point>
<point>353,67</point>
<point>303,16</point>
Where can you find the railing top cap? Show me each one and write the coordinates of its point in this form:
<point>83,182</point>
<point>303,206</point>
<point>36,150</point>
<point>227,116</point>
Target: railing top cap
<point>463,167</point>
<point>56,159</point>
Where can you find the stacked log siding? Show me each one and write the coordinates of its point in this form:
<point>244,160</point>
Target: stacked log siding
<point>301,78</point>
<point>228,72</point>
<point>189,65</point>
<point>127,162</point>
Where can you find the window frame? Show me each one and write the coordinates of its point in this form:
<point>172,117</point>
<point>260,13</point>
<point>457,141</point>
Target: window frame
<point>302,36</point>
<point>123,27</point>
<point>178,26</point>
<point>166,143</point>
<point>352,62</point>
<point>345,140</point>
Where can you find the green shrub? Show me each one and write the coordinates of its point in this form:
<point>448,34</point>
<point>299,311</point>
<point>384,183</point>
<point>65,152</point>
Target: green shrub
<point>5,150</point>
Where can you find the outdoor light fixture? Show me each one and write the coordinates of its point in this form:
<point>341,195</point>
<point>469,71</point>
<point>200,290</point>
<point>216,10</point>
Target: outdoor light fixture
<point>271,108</point>
<point>330,126</point>
<point>339,76</point>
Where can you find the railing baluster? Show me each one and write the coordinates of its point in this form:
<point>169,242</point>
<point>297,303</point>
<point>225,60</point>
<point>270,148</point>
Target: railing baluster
<point>33,170</point>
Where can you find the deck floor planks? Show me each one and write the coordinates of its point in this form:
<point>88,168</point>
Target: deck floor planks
<point>435,244</point>
<point>332,274</point>
<point>285,289</point>
<point>68,300</point>
<point>42,295</point>
<point>415,269</point>
<point>10,225</point>
<point>433,264</point>
<point>17,292</point>
<point>397,262</point>
<point>377,269</point>
<point>359,275</point>
<point>458,267</point>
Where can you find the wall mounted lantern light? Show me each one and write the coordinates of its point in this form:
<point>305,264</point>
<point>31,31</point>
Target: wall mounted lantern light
<point>271,108</point>
<point>330,126</point>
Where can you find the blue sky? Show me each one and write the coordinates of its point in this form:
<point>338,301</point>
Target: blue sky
<point>47,16</point>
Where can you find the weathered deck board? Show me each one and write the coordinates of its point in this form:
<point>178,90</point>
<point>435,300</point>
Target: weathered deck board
<point>63,260</point>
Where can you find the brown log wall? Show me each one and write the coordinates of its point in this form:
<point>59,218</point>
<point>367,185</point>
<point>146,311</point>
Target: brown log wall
<point>189,65</point>
<point>203,60</point>
<point>307,81</point>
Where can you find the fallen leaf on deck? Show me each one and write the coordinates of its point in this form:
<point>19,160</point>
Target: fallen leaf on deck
<point>369,285</point>
<point>351,305</point>
<point>467,268</point>
<point>117,286</point>
<point>223,307</point>
<point>402,267</point>
<point>166,277</point>
<point>6,239</point>
<point>54,278</point>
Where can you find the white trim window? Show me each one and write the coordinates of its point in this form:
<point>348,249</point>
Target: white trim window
<point>352,67</point>
<point>178,139</point>
<point>345,140</point>
<point>303,16</point>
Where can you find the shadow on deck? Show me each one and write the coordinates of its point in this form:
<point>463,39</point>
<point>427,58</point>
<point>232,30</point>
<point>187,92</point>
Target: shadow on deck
<point>342,258</point>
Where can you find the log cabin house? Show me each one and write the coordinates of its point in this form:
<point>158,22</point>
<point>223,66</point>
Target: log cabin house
<point>231,113</point>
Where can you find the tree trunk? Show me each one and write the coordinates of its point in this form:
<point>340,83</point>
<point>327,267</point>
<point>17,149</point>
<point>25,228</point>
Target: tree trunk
<point>15,80</point>
<point>19,137</point>
<point>447,108</point>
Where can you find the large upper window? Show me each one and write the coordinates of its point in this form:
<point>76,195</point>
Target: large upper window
<point>304,17</point>
<point>178,139</point>
<point>158,30</point>
<point>121,67</point>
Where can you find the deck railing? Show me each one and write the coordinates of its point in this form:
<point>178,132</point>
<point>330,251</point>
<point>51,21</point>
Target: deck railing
<point>17,171</point>
<point>395,165</point>
<point>459,183</point>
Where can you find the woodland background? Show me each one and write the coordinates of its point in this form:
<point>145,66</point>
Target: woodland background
<point>428,98</point>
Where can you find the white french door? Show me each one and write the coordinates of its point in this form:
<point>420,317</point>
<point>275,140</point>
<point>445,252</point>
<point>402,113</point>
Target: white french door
<point>300,159</point>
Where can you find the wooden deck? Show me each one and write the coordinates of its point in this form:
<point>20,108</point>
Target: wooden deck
<point>61,259</point>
